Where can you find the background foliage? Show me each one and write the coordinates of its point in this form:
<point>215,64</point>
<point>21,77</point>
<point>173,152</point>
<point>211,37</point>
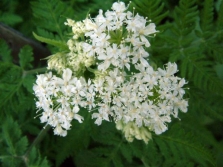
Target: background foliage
<point>191,33</point>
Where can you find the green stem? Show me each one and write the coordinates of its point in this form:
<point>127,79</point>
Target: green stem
<point>37,140</point>
<point>144,163</point>
<point>34,71</point>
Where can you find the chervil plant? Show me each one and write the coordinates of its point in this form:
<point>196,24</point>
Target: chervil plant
<point>118,80</point>
<point>125,87</point>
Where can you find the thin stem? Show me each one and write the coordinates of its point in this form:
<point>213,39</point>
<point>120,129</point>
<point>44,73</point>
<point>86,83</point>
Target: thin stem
<point>144,163</point>
<point>37,140</point>
<point>34,71</point>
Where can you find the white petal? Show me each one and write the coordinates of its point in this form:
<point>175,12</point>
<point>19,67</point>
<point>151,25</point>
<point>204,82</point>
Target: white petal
<point>171,68</point>
<point>67,73</point>
<point>78,118</point>
<point>150,29</point>
<point>76,109</point>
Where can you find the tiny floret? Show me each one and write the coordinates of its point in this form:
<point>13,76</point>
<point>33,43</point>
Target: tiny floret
<point>106,71</point>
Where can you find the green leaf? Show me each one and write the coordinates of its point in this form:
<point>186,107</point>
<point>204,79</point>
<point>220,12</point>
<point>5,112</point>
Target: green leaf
<point>10,82</point>
<point>207,15</point>
<point>28,82</point>
<point>152,9</point>
<point>61,45</point>
<point>14,97</point>
<point>26,57</point>
<point>220,15</point>
<point>185,16</point>
<point>10,18</point>
<point>13,144</point>
<point>51,15</point>
<point>78,138</point>
<point>35,160</point>
<point>5,52</point>
<point>12,135</point>
<point>219,70</point>
<point>182,143</point>
<point>199,71</point>
<point>90,159</point>
<point>125,150</point>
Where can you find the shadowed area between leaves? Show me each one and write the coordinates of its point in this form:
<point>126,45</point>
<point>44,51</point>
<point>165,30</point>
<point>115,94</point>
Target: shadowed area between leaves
<point>16,41</point>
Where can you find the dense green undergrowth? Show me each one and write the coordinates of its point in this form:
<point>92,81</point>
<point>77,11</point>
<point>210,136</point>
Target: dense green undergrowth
<point>190,34</point>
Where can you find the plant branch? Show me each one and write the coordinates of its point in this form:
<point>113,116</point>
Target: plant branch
<point>34,71</point>
<point>37,140</point>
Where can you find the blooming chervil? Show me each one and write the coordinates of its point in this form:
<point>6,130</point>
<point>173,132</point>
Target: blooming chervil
<point>58,112</point>
<point>115,44</point>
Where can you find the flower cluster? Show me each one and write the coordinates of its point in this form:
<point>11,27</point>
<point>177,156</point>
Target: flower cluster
<point>118,39</point>
<point>56,97</point>
<point>114,46</point>
<point>147,99</point>
<point>77,60</point>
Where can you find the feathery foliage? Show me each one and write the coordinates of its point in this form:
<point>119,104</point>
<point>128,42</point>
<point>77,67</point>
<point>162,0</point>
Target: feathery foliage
<point>5,52</point>
<point>50,15</point>
<point>190,43</point>
<point>190,34</point>
<point>8,12</point>
<point>14,146</point>
<point>15,84</point>
<point>184,145</point>
<point>152,9</point>
<point>78,139</point>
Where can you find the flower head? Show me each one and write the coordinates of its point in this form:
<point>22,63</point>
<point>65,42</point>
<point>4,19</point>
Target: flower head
<point>115,44</point>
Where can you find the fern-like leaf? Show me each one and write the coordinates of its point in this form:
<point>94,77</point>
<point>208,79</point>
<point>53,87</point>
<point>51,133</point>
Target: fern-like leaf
<point>178,144</point>
<point>5,52</point>
<point>201,72</point>
<point>35,159</point>
<point>220,16</point>
<point>90,159</point>
<point>13,145</point>
<point>110,147</point>
<point>15,84</point>
<point>152,9</point>
<point>10,18</point>
<point>78,138</point>
<point>8,14</point>
<point>51,15</point>
<point>185,16</point>
<point>26,57</point>
<point>10,82</point>
<point>207,15</point>
<point>209,105</point>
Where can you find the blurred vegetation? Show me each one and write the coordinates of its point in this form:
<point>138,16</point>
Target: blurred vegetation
<point>191,33</point>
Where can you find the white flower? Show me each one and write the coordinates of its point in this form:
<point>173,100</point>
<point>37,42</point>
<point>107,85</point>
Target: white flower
<point>102,115</point>
<point>55,98</point>
<point>99,85</point>
<point>171,69</point>
<point>147,30</point>
<point>119,7</point>
<point>106,63</point>
<point>100,18</point>
<point>90,25</point>
<point>77,116</point>
<point>89,49</point>
<point>59,131</point>
<point>114,43</point>
<point>67,73</point>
